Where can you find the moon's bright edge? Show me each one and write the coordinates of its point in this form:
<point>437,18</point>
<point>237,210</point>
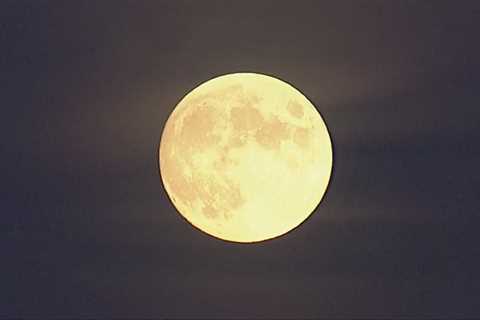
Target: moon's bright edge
<point>245,157</point>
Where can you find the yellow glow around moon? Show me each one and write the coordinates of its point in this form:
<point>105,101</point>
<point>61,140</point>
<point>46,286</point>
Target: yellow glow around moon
<point>245,157</point>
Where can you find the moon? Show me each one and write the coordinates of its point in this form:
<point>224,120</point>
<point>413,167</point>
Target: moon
<point>245,157</point>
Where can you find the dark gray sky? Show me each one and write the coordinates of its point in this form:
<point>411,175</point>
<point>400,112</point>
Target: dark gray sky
<point>87,230</point>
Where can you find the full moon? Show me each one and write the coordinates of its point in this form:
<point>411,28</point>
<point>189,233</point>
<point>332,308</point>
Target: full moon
<point>245,157</point>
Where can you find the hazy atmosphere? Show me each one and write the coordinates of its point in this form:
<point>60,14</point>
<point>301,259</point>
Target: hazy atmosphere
<point>88,230</point>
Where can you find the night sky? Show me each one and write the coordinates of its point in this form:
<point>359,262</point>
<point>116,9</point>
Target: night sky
<point>87,228</point>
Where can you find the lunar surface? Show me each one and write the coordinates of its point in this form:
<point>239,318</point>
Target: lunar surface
<point>245,157</point>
